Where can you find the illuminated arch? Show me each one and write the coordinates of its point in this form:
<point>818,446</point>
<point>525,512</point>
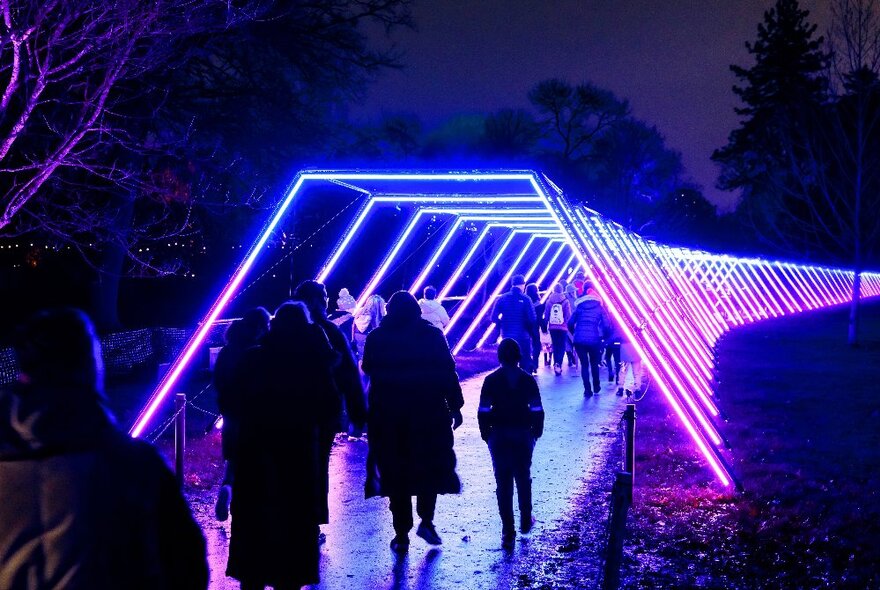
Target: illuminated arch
<point>672,303</point>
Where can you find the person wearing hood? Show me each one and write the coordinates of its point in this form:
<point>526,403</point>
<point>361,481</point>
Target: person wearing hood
<point>279,494</point>
<point>82,505</point>
<point>588,323</point>
<point>514,314</point>
<point>432,310</point>
<point>415,403</point>
<point>571,296</point>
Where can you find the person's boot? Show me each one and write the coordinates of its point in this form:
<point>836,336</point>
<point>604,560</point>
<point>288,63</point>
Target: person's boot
<point>221,509</point>
<point>427,531</point>
<point>400,544</point>
<point>557,369</point>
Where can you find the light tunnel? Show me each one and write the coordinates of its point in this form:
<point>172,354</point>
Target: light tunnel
<point>467,233</point>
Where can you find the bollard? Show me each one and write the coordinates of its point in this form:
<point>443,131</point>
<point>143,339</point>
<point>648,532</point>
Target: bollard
<point>621,498</point>
<point>179,435</point>
<point>629,416</point>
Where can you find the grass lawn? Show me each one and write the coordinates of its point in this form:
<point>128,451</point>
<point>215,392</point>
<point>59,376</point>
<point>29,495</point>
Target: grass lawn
<point>803,414</point>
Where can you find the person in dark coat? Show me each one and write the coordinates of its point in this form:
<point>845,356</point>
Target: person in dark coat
<point>82,505</point>
<point>351,400</point>
<point>514,314</point>
<point>588,324</point>
<point>511,419</point>
<point>240,335</point>
<point>540,325</point>
<point>278,498</point>
<point>414,397</point>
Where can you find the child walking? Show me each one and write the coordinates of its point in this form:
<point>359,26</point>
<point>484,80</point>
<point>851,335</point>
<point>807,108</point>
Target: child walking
<point>511,419</point>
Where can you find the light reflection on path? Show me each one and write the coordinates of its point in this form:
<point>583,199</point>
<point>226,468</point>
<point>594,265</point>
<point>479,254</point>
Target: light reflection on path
<point>356,554</point>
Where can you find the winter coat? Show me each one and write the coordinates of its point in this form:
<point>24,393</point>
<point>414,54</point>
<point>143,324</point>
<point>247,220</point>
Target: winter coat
<point>279,493</point>
<point>414,391</point>
<point>510,400</point>
<point>83,506</point>
<point>561,299</point>
<point>514,313</point>
<point>347,377</point>
<point>229,395</point>
<point>434,312</point>
<point>589,321</point>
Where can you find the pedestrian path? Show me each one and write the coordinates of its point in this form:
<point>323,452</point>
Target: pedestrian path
<point>356,554</point>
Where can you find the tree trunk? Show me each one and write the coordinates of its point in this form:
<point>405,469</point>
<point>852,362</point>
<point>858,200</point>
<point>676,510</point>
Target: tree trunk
<point>853,336</point>
<point>105,288</point>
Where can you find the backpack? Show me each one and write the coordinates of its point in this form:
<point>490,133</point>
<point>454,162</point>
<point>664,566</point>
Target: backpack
<point>556,315</point>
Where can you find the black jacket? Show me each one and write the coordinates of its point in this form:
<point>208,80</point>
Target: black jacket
<point>510,399</point>
<point>83,506</point>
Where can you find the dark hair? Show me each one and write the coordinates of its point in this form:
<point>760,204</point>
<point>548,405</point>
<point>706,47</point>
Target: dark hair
<point>313,294</point>
<point>59,347</point>
<point>403,305</point>
<point>518,280</point>
<point>430,293</point>
<point>290,315</point>
<point>254,325</point>
<point>509,352</point>
<point>532,292</point>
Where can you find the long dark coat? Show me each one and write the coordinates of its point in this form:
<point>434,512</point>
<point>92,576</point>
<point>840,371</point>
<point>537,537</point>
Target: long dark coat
<point>413,391</point>
<point>277,493</point>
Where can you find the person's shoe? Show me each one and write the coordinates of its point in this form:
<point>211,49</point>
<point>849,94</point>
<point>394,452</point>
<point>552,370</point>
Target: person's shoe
<point>620,391</point>
<point>597,389</point>
<point>221,509</point>
<point>557,369</point>
<point>400,544</point>
<point>427,531</point>
<point>322,538</point>
<point>507,539</point>
<point>526,523</point>
<point>588,393</point>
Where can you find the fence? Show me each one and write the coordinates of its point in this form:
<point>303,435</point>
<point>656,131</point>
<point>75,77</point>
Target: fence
<point>621,500</point>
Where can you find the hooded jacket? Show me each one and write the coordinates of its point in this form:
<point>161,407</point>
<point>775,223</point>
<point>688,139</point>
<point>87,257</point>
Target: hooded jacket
<point>83,506</point>
<point>589,321</point>
<point>434,312</point>
<point>562,300</point>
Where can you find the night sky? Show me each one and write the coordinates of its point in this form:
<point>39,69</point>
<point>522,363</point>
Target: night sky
<point>670,58</point>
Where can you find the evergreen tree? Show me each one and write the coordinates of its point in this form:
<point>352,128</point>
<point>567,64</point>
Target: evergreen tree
<point>785,84</point>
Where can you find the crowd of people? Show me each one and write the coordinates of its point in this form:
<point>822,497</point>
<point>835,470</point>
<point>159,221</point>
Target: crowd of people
<point>84,506</point>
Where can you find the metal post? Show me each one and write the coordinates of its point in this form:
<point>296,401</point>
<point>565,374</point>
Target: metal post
<point>629,416</point>
<point>179,435</point>
<point>621,498</point>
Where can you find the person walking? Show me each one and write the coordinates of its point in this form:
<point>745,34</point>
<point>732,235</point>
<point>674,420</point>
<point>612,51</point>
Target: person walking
<point>432,310</point>
<point>511,419</point>
<point>557,312</point>
<point>514,314</point>
<point>588,323</point>
<point>415,403</point>
<point>366,319</point>
<point>632,369</point>
<point>534,296</point>
<point>278,497</point>
<point>240,335</point>
<point>82,505</point>
<point>571,295</point>
<point>351,402</point>
<point>612,352</point>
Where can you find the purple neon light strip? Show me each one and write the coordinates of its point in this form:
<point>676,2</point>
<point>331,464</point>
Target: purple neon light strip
<point>642,270</point>
<point>795,272</point>
<point>763,288</point>
<point>464,262</point>
<point>189,350</point>
<point>343,244</point>
<point>665,336</point>
<point>490,301</point>
<point>629,300</point>
<point>662,293</point>
<point>469,297</point>
<point>423,276</point>
<point>746,292</point>
<point>720,471</point>
<point>571,258</point>
<point>696,305</point>
<point>779,286</point>
<point>538,261</point>
<point>549,266</point>
<point>389,258</point>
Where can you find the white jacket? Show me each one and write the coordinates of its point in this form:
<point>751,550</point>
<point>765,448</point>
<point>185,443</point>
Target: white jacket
<point>434,312</point>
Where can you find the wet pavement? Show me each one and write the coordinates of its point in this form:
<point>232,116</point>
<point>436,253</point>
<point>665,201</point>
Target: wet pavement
<point>568,459</point>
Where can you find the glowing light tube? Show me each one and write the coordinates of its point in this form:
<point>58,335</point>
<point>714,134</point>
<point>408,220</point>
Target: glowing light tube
<point>201,333</point>
<point>546,271</point>
<point>490,301</point>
